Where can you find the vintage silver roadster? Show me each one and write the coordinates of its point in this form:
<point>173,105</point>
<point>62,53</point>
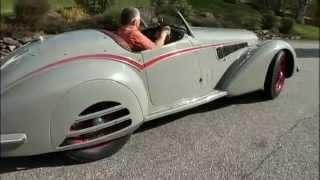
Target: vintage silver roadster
<point>84,92</point>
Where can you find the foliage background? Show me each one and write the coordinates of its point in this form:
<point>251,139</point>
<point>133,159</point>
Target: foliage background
<point>215,13</point>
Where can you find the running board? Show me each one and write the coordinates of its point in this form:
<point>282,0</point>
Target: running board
<point>186,104</point>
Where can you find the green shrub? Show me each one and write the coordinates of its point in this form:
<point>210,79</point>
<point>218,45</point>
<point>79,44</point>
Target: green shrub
<point>184,7</point>
<point>94,22</point>
<point>94,6</point>
<point>5,29</point>
<point>195,21</point>
<point>287,25</point>
<point>53,23</point>
<point>30,11</point>
<point>264,11</point>
<point>111,19</point>
<point>270,21</point>
<point>160,3</point>
<point>247,22</point>
<point>231,1</point>
<point>252,23</point>
<point>204,19</point>
<point>74,14</point>
<point>166,6</point>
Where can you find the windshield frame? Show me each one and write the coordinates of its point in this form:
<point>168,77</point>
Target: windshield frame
<point>188,27</point>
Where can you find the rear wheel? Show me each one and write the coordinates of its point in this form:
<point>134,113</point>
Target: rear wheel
<point>276,76</point>
<point>98,120</point>
<point>97,152</point>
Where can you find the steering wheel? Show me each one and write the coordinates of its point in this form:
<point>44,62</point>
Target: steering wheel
<point>178,28</point>
<point>162,26</point>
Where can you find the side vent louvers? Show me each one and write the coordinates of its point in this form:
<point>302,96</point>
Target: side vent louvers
<point>98,120</point>
<point>226,50</point>
<point>98,107</point>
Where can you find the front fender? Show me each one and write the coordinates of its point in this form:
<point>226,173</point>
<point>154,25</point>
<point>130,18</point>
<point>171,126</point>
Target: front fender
<point>248,74</point>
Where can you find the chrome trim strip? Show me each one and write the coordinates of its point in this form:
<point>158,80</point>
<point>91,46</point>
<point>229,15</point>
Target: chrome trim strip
<point>100,113</point>
<point>98,127</point>
<point>186,104</point>
<point>6,139</point>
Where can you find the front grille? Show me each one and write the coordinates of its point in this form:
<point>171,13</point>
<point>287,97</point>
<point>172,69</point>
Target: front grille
<point>98,120</point>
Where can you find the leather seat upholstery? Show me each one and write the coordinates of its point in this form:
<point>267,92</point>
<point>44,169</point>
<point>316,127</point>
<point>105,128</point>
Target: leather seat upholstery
<point>121,42</point>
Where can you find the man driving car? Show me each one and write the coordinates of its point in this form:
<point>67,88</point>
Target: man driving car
<point>129,31</point>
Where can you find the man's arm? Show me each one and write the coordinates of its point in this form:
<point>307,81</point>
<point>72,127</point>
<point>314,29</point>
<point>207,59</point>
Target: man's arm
<point>161,40</point>
<point>143,42</point>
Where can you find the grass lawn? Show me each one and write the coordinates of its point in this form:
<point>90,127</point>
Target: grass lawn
<point>6,6</point>
<point>306,31</point>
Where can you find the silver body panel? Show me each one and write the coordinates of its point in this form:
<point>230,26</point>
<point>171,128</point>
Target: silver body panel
<point>47,84</point>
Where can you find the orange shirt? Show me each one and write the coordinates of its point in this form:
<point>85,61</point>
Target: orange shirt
<point>136,40</point>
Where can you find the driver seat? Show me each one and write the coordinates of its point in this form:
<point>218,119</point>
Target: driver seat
<point>121,42</point>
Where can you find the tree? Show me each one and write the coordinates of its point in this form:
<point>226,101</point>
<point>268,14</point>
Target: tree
<point>301,10</point>
<point>168,5</point>
<point>297,7</point>
<point>274,5</point>
<point>278,6</point>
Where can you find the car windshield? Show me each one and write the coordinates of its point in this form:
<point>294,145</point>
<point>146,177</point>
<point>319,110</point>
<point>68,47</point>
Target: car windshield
<point>172,19</point>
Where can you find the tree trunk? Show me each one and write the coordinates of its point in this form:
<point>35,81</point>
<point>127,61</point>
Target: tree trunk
<point>301,11</point>
<point>278,7</point>
<point>267,3</point>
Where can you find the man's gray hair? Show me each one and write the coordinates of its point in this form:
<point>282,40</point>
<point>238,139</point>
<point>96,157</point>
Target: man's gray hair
<point>128,14</point>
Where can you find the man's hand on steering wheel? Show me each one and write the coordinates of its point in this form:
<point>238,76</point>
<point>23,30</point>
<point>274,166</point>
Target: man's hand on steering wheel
<point>166,31</point>
<point>162,35</point>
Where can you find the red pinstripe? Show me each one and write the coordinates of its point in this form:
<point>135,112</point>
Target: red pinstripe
<point>175,53</point>
<point>123,59</point>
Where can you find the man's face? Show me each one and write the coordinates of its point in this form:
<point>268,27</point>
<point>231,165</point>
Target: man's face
<point>137,21</point>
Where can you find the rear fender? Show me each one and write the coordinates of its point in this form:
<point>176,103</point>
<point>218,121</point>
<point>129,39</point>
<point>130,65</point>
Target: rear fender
<point>87,94</point>
<point>50,98</point>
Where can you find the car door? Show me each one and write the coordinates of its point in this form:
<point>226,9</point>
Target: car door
<point>172,72</point>
<point>214,60</point>
<point>211,67</point>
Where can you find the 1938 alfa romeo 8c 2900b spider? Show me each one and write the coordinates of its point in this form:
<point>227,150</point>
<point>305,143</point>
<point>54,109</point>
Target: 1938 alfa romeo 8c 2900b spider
<point>84,92</point>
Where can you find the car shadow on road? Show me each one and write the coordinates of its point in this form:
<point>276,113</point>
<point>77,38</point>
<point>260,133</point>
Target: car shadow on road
<point>254,97</point>
<point>56,159</point>
<point>30,162</point>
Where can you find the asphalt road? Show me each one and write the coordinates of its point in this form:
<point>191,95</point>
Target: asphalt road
<point>233,138</point>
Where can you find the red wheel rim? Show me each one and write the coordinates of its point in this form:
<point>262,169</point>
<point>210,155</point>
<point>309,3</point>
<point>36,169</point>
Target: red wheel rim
<point>281,75</point>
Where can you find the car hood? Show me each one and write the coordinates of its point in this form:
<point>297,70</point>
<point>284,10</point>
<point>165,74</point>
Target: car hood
<point>222,35</point>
